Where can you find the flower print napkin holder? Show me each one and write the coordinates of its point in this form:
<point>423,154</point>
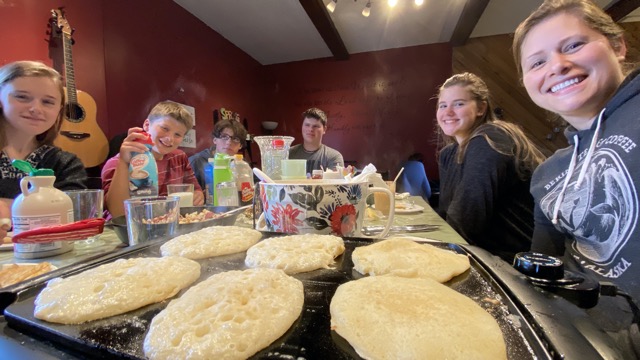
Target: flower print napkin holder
<point>321,207</point>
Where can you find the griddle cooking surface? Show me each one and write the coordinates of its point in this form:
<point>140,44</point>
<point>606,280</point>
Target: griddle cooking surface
<point>309,337</point>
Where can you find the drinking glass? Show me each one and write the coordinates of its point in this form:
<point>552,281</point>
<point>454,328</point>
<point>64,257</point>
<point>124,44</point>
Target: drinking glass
<point>87,204</point>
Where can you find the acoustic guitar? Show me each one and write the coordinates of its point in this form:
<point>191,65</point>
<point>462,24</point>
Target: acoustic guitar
<point>79,131</point>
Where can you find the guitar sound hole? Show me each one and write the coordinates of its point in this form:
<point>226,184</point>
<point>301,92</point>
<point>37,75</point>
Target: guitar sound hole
<point>75,112</point>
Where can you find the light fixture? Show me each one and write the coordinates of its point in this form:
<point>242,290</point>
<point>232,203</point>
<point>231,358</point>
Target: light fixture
<point>419,2</point>
<point>332,5</point>
<point>367,9</point>
<point>392,3</point>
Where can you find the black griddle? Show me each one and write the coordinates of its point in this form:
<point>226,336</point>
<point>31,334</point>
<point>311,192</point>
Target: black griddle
<point>309,337</point>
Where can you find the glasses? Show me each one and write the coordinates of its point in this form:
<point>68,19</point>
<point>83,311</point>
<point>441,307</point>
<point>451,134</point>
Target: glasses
<point>234,139</point>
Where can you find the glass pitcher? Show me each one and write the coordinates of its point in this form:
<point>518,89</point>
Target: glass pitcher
<point>273,149</point>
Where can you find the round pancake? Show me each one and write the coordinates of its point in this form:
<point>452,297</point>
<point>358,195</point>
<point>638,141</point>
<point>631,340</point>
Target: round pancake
<point>402,257</point>
<point>231,315</point>
<point>114,288</point>
<point>295,253</point>
<point>211,241</point>
<point>385,316</point>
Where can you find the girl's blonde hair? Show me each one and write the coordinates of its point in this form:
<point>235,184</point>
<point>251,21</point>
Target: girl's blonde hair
<point>526,154</point>
<point>18,69</point>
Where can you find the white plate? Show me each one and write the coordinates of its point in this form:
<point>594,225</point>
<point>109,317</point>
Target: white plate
<point>409,209</point>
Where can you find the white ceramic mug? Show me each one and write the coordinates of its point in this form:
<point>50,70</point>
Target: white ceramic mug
<point>322,207</point>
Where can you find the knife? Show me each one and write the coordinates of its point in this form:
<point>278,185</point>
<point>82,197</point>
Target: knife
<point>403,228</point>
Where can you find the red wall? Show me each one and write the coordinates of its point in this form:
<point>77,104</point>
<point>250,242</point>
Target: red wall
<point>378,104</point>
<point>155,50</point>
<point>24,37</point>
<point>131,54</point>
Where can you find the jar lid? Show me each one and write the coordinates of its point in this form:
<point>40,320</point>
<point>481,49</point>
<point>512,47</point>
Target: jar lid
<point>26,167</point>
<point>147,140</point>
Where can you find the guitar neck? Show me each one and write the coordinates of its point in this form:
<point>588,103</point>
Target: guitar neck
<point>69,75</point>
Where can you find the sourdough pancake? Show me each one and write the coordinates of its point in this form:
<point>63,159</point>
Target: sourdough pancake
<point>295,253</point>
<point>231,315</point>
<point>384,317</point>
<point>114,288</point>
<point>15,273</point>
<point>211,241</point>
<point>406,258</point>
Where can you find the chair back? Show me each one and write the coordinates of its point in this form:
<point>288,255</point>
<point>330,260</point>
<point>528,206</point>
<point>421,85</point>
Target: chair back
<point>414,180</point>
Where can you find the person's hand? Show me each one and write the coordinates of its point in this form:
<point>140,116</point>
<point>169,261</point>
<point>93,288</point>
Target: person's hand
<point>348,170</point>
<point>5,219</point>
<point>198,198</point>
<point>131,144</point>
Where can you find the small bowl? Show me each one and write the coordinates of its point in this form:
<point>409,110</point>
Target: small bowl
<point>119,224</point>
<point>269,125</point>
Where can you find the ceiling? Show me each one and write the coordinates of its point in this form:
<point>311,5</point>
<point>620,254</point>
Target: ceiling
<point>280,31</point>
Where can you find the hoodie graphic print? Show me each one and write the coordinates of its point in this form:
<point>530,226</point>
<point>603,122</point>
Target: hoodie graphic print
<point>588,194</point>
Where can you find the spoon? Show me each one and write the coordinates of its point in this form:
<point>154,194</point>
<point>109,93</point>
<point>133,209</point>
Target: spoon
<point>262,176</point>
<point>233,211</point>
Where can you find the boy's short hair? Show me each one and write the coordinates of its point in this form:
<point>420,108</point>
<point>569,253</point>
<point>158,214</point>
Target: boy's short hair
<point>173,110</point>
<point>315,113</point>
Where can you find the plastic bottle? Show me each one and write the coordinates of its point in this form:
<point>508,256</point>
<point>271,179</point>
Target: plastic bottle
<point>38,206</point>
<point>276,155</point>
<point>209,189</point>
<point>243,176</point>
<point>221,173</point>
<point>143,171</point>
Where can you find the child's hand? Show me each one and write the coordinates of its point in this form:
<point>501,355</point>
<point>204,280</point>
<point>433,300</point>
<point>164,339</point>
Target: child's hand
<point>198,198</point>
<point>131,144</point>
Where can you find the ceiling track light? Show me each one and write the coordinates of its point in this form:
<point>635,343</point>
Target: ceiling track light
<point>419,2</point>
<point>367,9</point>
<point>332,5</point>
<point>392,3</point>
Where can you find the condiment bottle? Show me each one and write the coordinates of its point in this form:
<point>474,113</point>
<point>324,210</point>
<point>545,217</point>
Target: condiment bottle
<point>143,171</point>
<point>209,189</point>
<point>38,206</point>
<point>221,173</point>
<point>243,176</point>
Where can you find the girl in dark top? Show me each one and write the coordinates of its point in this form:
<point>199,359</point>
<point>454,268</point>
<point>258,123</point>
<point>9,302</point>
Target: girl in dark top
<point>572,59</point>
<point>31,109</point>
<point>485,169</point>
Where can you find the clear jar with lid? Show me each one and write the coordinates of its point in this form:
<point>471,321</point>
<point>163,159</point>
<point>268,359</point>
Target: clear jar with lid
<point>316,174</point>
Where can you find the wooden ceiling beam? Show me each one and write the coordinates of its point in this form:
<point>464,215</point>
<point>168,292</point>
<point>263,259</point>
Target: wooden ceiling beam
<point>622,8</point>
<point>319,15</point>
<point>471,13</point>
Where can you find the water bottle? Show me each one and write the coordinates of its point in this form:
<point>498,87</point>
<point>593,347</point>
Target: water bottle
<point>209,189</point>
<point>143,171</point>
<point>243,176</point>
<point>277,154</point>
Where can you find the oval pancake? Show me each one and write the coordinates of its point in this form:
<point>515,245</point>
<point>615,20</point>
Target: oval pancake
<point>388,317</point>
<point>211,241</point>
<point>231,315</point>
<point>295,253</point>
<point>406,258</point>
<point>114,288</point>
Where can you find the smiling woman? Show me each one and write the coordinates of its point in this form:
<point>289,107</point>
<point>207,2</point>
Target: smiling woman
<point>484,170</point>
<point>571,56</point>
<point>31,98</point>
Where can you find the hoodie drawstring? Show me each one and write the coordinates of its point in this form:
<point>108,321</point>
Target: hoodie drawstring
<point>572,165</point>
